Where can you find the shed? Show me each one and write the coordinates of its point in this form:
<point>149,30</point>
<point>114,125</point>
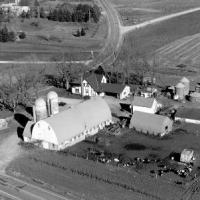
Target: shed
<point>117,90</point>
<point>187,155</point>
<point>142,104</point>
<point>151,123</point>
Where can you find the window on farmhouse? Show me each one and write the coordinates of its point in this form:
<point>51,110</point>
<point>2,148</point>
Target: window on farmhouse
<point>76,90</point>
<point>87,91</point>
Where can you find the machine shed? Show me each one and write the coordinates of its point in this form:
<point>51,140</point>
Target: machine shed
<point>72,125</point>
<point>151,123</point>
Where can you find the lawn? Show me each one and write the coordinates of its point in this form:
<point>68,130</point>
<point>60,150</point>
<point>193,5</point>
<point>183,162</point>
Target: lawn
<point>146,41</point>
<point>136,11</point>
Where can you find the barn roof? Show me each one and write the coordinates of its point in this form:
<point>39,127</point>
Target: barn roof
<point>143,102</point>
<point>149,122</point>
<point>28,129</point>
<point>112,88</point>
<point>83,116</point>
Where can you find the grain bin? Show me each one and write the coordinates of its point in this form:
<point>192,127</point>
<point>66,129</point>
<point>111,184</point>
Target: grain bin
<point>186,83</point>
<point>180,90</point>
<point>52,102</point>
<point>40,109</point>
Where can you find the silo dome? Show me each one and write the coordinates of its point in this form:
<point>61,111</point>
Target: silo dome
<point>40,109</point>
<point>52,101</point>
<point>52,95</point>
<point>180,87</point>
<point>186,83</point>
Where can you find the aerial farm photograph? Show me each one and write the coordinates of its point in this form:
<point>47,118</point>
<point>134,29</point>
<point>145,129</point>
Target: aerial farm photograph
<point>99,99</point>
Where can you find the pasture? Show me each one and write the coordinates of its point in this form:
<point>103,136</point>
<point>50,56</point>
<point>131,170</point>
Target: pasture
<point>51,41</point>
<point>136,11</point>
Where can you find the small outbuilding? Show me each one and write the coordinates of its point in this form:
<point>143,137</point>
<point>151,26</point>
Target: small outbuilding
<point>147,105</point>
<point>187,156</point>
<point>117,90</point>
<point>151,123</point>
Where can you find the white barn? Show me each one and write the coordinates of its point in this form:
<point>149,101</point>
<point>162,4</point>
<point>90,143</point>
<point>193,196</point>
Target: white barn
<point>72,125</point>
<point>147,105</point>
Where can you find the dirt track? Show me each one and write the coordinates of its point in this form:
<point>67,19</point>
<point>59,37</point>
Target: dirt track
<point>126,29</point>
<point>9,149</point>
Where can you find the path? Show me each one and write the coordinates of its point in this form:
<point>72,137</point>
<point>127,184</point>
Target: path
<point>126,29</point>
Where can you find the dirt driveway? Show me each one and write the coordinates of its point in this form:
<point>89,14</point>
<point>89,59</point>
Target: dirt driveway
<point>9,149</point>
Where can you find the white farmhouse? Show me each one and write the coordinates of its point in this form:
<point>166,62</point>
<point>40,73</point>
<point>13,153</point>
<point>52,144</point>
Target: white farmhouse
<point>93,84</point>
<point>147,105</point>
<point>90,85</point>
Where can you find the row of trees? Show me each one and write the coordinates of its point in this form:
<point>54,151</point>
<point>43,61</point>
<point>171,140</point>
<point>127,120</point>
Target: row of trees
<point>62,13</point>
<point>10,36</point>
<point>19,87</point>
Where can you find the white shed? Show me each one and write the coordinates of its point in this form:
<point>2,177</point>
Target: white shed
<point>147,105</point>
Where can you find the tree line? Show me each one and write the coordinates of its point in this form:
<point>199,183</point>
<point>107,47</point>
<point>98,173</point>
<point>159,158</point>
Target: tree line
<point>10,36</point>
<point>66,13</point>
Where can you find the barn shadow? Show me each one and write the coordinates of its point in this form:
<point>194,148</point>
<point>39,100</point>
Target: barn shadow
<point>20,131</point>
<point>29,110</point>
<point>21,119</point>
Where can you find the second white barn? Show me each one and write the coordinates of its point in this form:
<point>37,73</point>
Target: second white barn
<point>73,125</point>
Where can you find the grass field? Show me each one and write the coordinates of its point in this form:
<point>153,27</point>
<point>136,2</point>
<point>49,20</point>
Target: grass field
<point>146,41</point>
<point>136,11</point>
<point>51,40</point>
<point>94,180</point>
<point>89,179</point>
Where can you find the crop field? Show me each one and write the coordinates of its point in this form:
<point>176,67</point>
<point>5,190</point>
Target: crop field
<point>145,42</point>
<point>136,11</point>
<point>51,41</point>
<point>183,51</point>
<point>94,180</point>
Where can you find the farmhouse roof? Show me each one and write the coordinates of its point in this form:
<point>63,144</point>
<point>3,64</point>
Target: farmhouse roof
<point>151,123</point>
<point>80,117</point>
<point>143,102</point>
<point>112,88</point>
<point>94,80</point>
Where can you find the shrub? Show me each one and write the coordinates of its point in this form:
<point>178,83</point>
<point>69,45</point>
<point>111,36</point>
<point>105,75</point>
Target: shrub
<point>22,35</point>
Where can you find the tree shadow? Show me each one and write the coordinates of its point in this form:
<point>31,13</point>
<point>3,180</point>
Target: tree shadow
<point>21,119</point>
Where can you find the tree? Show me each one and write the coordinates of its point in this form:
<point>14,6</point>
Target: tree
<point>4,34</point>
<point>83,32</point>
<point>15,89</point>
<point>42,13</point>
<point>64,75</point>
<point>11,36</point>
<point>95,13</point>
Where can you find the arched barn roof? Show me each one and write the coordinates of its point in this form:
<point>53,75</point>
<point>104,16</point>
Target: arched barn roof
<point>73,121</point>
<point>150,123</point>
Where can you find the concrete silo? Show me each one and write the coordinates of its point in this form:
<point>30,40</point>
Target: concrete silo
<point>186,83</point>
<point>40,109</point>
<point>52,102</point>
<point>180,90</point>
